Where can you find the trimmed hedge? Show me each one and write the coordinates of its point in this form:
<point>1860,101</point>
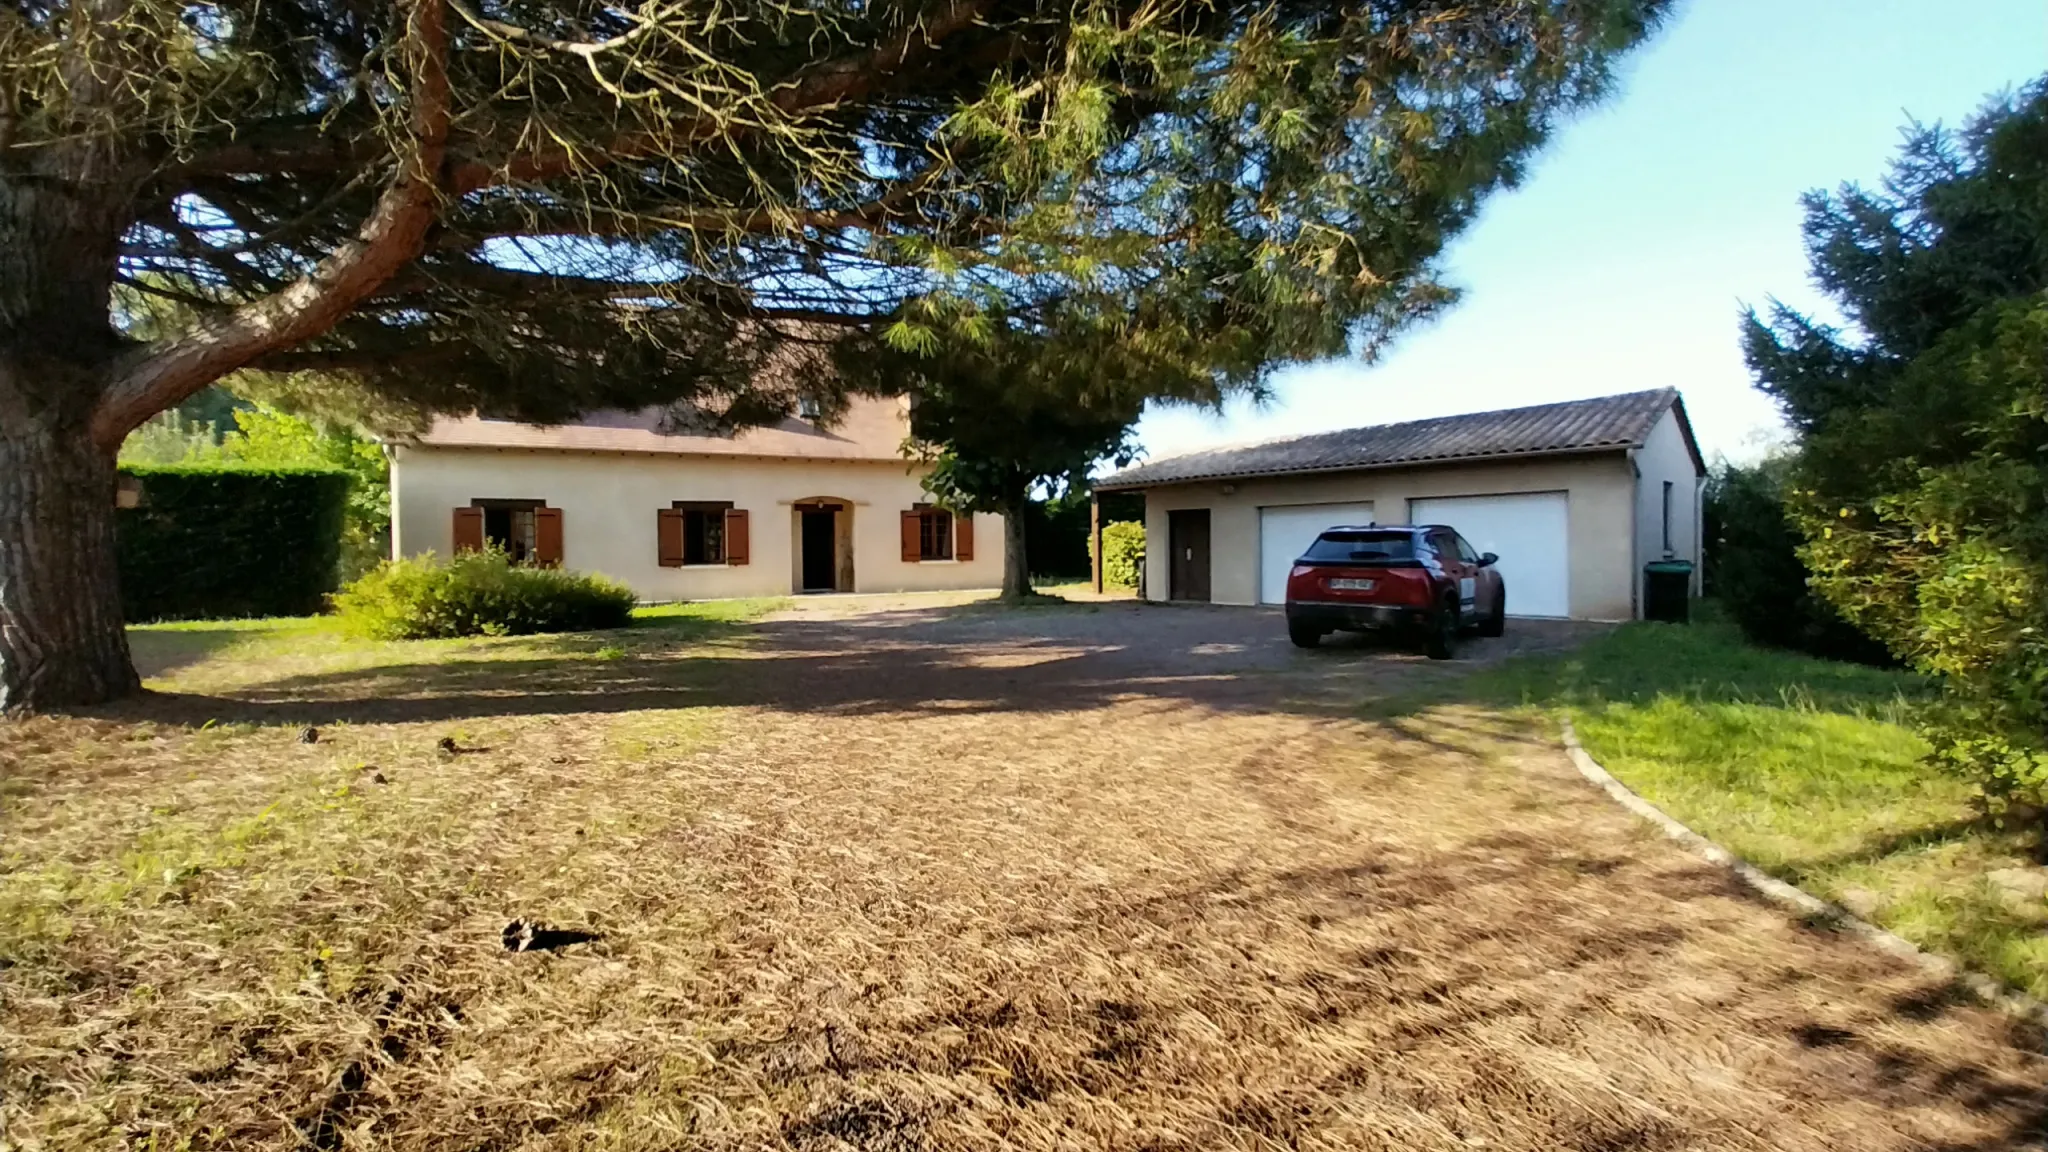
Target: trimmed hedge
<point>214,541</point>
<point>479,594</point>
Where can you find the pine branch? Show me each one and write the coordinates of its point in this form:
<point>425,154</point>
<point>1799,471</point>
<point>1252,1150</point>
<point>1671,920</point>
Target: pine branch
<point>356,360</point>
<point>896,204</point>
<point>164,372</point>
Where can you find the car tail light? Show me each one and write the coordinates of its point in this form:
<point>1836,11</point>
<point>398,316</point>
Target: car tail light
<point>1403,586</point>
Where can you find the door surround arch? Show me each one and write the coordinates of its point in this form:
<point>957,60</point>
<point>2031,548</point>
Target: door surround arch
<point>833,571</point>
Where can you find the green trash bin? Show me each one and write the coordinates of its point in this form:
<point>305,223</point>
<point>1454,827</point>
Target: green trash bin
<point>1667,591</point>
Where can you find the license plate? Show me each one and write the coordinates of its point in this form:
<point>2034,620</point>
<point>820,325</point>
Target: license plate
<point>1347,584</point>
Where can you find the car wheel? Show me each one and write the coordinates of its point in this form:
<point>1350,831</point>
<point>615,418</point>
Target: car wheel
<point>1304,635</point>
<point>1442,641</point>
<point>1496,622</point>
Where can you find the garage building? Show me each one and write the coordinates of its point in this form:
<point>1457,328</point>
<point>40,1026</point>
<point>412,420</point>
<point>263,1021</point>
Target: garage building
<point>1574,497</point>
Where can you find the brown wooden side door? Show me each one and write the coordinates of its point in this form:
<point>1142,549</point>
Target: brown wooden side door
<point>1187,532</point>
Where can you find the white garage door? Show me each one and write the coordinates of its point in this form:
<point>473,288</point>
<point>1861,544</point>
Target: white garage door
<point>1285,532</point>
<point>1529,533</point>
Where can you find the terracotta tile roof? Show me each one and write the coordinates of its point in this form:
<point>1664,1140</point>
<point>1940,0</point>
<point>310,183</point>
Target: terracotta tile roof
<point>873,429</point>
<point>1608,423</point>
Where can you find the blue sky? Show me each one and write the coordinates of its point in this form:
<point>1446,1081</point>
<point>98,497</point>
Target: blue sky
<point>1624,258</point>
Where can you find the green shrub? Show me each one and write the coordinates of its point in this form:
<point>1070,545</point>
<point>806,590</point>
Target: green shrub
<point>1753,567</point>
<point>215,541</point>
<point>479,594</point>
<point>1123,551</point>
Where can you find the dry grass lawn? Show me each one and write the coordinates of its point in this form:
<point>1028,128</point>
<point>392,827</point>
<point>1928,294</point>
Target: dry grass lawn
<point>914,878</point>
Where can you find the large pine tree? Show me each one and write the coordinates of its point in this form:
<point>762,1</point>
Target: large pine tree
<point>536,207</point>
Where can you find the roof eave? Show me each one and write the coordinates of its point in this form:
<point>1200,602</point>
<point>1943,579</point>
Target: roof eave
<point>1111,485</point>
<point>1692,445</point>
<point>665,453</point>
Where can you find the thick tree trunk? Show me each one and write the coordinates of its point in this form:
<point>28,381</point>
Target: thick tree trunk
<point>61,640</point>
<point>61,637</point>
<point>1016,561</point>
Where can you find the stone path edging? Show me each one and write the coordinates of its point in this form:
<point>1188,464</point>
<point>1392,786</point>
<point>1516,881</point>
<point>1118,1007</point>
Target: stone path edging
<point>1798,900</point>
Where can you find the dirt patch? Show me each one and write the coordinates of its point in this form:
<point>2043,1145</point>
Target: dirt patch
<point>1104,876</point>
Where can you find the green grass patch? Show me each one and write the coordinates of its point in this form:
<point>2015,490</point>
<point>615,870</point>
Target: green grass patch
<point>693,612</point>
<point>1809,769</point>
<point>258,625</point>
<point>208,656</point>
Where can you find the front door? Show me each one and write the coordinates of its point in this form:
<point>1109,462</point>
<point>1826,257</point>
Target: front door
<point>1187,533</point>
<point>820,570</point>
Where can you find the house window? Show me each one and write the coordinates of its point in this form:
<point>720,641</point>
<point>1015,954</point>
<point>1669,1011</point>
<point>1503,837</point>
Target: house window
<point>1667,517</point>
<point>703,531</point>
<point>526,531</point>
<point>512,527</point>
<point>934,534</point>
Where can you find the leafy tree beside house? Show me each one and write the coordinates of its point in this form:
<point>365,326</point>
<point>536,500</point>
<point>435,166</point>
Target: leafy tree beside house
<point>534,208</point>
<point>1921,484</point>
<point>1002,412</point>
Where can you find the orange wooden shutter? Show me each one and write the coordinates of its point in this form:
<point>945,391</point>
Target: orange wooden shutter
<point>912,549</point>
<point>736,536</point>
<point>547,537</point>
<point>963,536</point>
<point>469,529</point>
<point>668,537</point>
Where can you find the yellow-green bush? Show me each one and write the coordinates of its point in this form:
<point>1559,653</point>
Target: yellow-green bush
<point>1123,552</point>
<point>479,594</point>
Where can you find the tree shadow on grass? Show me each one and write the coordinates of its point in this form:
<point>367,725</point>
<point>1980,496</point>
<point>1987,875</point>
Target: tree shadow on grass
<point>950,660</point>
<point>159,651</point>
<point>1881,845</point>
<point>1703,663</point>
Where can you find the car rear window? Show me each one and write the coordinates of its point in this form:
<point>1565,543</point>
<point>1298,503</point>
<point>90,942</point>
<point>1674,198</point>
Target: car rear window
<point>1363,547</point>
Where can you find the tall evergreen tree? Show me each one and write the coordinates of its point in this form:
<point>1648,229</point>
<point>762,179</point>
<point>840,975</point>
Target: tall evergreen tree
<point>531,208</point>
<point>1921,485</point>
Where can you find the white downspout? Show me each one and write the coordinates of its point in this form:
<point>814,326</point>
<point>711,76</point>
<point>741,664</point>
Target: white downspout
<point>1699,536</point>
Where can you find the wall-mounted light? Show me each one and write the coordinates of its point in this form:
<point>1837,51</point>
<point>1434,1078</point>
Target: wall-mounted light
<point>1230,489</point>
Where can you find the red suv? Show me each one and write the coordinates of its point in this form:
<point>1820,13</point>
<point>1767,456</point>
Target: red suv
<point>1423,579</point>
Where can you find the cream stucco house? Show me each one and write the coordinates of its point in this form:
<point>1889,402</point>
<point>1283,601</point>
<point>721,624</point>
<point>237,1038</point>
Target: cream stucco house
<point>796,507</point>
<point>1575,498</point>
